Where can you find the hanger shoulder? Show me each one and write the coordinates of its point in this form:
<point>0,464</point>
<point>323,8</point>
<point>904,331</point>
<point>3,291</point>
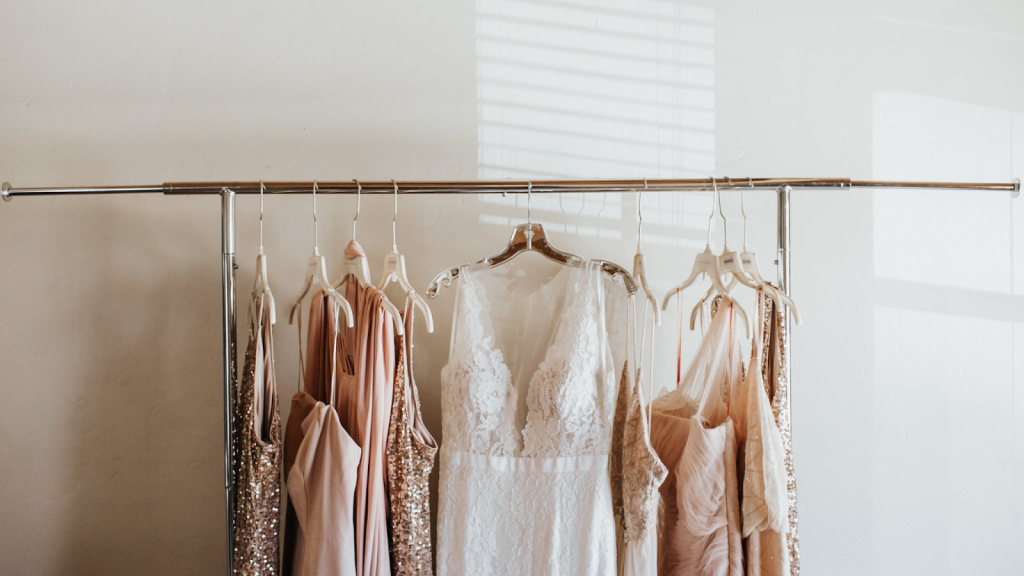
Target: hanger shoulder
<point>697,307</point>
<point>262,284</point>
<point>394,270</point>
<point>444,279</point>
<point>428,316</point>
<point>749,262</point>
<point>342,304</point>
<point>392,311</point>
<point>640,275</point>
<point>701,264</point>
<point>730,263</point>
<point>617,272</point>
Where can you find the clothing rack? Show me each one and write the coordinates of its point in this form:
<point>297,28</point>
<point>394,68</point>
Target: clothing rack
<point>228,191</point>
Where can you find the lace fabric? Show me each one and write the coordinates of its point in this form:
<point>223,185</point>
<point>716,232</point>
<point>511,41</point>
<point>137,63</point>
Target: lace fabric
<point>525,485</point>
<point>636,470</point>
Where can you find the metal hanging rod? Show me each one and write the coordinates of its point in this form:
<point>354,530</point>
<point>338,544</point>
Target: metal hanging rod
<point>504,186</point>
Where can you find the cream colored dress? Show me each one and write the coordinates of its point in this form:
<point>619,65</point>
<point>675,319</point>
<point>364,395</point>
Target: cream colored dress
<point>762,464</point>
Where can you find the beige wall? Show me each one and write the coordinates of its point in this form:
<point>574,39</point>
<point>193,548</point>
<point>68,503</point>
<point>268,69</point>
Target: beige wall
<point>908,392</point>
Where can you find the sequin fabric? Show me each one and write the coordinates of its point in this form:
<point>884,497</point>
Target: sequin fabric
<point>410,461</point>
<point>775,369</point>
<point>257,464</point>
<point>636,470</point>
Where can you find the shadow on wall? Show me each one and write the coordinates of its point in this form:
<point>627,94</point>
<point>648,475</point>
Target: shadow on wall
<point>579,89</point>
<point>139,467</point>
<point>947,292</point>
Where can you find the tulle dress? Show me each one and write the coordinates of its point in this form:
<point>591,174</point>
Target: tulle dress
<point>695,437</point>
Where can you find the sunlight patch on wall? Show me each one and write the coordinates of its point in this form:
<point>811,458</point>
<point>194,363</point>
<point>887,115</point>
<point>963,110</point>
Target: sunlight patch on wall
<point>942,237</point>
<point>590,89</point>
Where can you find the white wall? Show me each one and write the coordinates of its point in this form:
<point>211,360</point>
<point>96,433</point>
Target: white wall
<point>907,386</point>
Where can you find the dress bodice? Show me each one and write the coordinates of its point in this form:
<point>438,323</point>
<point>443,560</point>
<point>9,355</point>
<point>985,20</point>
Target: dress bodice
<point>570,396</point>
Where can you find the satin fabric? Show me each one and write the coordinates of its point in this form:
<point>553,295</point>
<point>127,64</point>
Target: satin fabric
<point>321,485</point>
<point>366,372</point>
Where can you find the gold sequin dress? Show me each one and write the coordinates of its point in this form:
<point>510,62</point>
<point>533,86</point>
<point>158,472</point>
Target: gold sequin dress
<point>775,370</point>
<point>256,456</point>
<point>410,458</point>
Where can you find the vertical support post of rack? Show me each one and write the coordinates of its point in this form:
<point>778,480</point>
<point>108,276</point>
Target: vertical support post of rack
<point>227,270</point>
<point>782,273</point>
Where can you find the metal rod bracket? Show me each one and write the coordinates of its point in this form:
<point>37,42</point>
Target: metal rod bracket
<point>5,191</point>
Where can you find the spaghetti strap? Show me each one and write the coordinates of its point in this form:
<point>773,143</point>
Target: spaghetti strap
<point>302,361</point>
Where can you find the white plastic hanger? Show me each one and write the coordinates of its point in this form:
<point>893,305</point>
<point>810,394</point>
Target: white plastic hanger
<point>639,270</point>
<point>358,269</point>
<point>748,261</point>
<point>729,263</point>
<point>394,270</point>
<point>261,269</point>
<point>316,274</point>
<point>706,263</point>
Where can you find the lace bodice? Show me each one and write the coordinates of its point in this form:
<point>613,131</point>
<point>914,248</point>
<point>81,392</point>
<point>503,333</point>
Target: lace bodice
<point>569,399</point>
<point>527,420</point>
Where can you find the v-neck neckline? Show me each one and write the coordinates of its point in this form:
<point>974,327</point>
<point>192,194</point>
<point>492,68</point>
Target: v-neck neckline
<point>488,341</point>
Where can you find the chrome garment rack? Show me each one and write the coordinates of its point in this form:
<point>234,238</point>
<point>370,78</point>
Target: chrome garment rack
<point>228,190</point>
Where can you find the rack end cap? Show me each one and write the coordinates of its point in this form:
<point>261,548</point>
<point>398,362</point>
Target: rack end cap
<point>1015,193</point>
<point>5,191</point>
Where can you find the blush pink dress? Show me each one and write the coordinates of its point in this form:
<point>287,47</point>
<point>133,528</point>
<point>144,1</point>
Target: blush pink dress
<point>694,436</point>
<point>366,380</point>
<point>320,488</point>
<point>321,461</point>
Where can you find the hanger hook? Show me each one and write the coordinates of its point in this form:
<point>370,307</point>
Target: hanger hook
<point>725,225</point>
<point>394,220</point>
<point>640,216</point>
<point>529,203</point>
<point>262,188</point>
<point>743,210</point>
<point>316,229</point>
<point>359,202</point>
<point>711,218</point>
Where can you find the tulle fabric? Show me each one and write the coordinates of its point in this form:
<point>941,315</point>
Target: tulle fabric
<point>694,435</point>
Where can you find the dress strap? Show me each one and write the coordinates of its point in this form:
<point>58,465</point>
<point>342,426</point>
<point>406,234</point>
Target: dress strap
<point>302,361</point>
<point>459,298</point>
<point>334,352</point>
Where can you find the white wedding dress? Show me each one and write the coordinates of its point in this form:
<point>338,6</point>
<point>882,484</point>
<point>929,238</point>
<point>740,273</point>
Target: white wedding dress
<point>528,398</point>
